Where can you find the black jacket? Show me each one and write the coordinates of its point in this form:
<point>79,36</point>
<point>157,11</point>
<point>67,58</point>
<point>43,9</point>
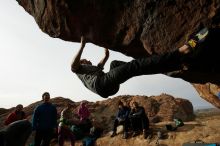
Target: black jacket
<point>123,113</point>
<point>137,113</point>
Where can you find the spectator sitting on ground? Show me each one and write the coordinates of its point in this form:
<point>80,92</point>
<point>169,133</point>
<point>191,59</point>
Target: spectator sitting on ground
<point>95,132</point>
<point>121,119</point>
<point>66,121</point>
<point>139,120</point>
<point>18,114</point>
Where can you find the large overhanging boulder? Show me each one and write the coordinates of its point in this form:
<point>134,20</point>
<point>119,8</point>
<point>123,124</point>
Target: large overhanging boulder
<point>137,28</point>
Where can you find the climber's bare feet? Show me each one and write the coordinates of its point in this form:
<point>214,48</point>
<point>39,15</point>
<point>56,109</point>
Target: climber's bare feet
<point>184,49</point>
<point>193,42</point>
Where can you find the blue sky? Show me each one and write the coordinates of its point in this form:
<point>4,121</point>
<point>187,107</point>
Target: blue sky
<point>31,62</point>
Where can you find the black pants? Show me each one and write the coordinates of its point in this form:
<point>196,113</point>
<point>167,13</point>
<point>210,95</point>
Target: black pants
<point>139,123</point>
<point>109,83</point>
<point>2,140</point>
<point>85,125</point>
<point>44,137</point>
<point>125,124</point>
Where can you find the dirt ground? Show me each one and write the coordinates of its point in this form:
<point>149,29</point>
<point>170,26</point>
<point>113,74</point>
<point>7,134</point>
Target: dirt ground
<point>205,127</point>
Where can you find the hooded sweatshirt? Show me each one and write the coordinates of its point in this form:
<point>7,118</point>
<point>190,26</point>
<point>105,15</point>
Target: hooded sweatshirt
<point>83,112</point>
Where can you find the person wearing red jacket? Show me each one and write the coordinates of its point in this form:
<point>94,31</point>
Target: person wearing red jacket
<point>18,114</point>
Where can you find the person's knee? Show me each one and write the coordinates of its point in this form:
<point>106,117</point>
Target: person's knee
<point>72,137</point>
<point>113,64</point>
<point>116,122</point>
<point>116,63</point>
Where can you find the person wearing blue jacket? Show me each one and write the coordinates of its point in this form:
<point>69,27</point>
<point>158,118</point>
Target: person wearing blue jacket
<point>121,119</point>
<point>44,121</point>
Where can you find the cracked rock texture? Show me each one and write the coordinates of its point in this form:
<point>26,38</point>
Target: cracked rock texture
<point>138,28</point>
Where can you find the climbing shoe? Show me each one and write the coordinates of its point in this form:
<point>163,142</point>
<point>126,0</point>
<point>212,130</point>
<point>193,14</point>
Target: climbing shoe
<point>145,134</point>
<point>136,133</point>
<point>198,38</point>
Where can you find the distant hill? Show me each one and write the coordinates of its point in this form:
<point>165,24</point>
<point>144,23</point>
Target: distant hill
<point>158,108</point>
<point>207,111</point>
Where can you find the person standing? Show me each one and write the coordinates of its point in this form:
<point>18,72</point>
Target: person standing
<point>44,121</point>
<point>83,112</point>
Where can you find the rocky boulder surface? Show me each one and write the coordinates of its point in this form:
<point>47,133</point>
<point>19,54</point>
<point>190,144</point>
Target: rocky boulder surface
<point>3,110</point>
<point>128,26</point>
<point>138,28</point>
<point>158,108</point>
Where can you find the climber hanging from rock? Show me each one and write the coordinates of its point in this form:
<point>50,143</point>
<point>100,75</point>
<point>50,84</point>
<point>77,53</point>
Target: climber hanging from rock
<point>107,84</point>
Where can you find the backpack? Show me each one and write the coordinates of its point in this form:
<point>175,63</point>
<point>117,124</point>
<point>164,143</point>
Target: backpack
<point>88,141</point>
<point>77,132</point>
<point>178,122</point>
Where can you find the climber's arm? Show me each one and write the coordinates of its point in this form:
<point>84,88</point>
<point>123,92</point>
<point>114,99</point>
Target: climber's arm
<point>76,61</point>
<point>101,64</point>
